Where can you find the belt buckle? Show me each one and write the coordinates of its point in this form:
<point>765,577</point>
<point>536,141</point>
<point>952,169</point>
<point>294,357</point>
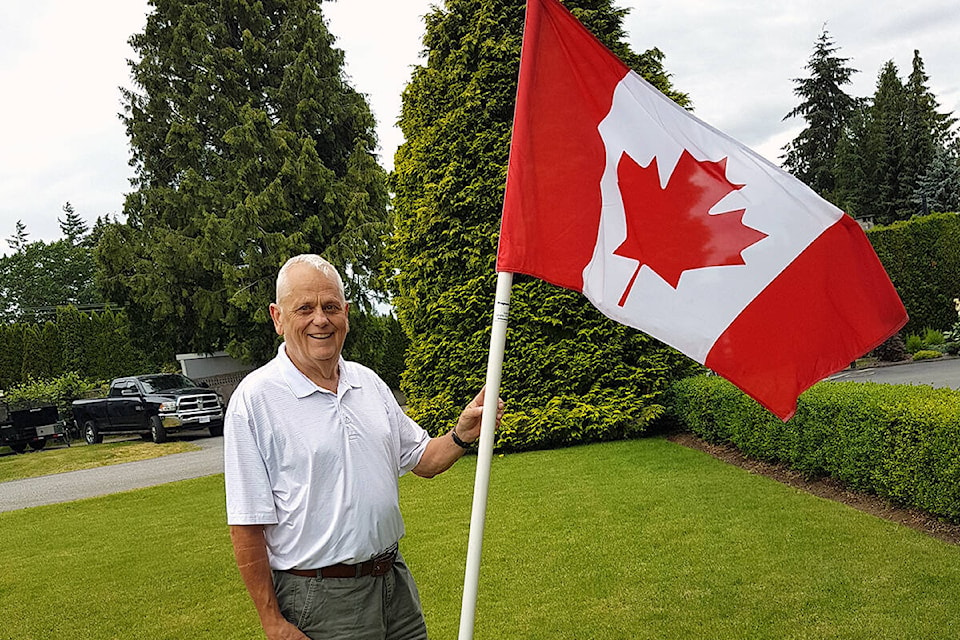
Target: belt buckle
<point>383,563</point>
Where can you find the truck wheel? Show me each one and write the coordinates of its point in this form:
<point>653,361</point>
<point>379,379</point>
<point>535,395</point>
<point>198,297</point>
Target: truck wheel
<point>91,434</point>
<point>36,445</point>
<point>216,429</point>
<point>19,447</point>
<point>157,432</point>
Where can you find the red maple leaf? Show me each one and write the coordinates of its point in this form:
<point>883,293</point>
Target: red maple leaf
<point>669,229</point>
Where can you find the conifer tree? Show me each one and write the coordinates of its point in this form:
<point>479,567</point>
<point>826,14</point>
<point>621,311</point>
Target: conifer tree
<point>11,354</point>
<point>884,150</point>
<point>938,189</point>
<point>72,226</point>
<point>850,184</point>
<point>926,133</point>
<point>570,374</point>
<point>20,237</point>
<point>249,146</point>
<point>825,107</point>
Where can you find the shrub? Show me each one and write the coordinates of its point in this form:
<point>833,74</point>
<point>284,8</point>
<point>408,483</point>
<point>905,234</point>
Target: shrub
<point>927,354</point>
<point>60,391</point>
<point>932,337</point>
<point>893,350</point>
<point>914,343</point>
<point>901,442</point>
<point>951,348</point>
<point>953,335</point>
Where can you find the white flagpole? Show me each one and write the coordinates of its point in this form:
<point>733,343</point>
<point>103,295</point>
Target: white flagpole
<point>498,339</point>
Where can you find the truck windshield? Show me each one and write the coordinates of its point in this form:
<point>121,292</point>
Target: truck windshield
<point>156,384</point>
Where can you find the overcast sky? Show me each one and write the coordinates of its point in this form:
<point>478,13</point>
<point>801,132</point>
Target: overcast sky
<point>62,61</point>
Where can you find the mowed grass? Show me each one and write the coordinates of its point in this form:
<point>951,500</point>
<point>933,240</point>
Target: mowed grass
<point>59,459</point>
<point>639,539</point>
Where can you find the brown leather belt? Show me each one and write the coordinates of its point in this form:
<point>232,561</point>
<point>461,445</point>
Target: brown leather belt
<point>381,565</point>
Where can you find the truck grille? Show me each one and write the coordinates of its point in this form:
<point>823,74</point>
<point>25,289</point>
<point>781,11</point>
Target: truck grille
<point>205,402</point>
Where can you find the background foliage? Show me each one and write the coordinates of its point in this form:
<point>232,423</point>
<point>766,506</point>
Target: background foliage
<point>36,277</point>
<point>570,374</point>
<point>249,146</point>
<point>93,346</point>
<point>883,158</point>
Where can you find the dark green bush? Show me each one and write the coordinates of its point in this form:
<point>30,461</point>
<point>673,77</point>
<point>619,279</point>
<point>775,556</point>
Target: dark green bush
<point>892,350</point>
<point>922,258</point>
<point>901,442</point>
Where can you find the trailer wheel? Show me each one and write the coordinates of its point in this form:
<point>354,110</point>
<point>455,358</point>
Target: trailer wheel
<point>91,434</point>
<point>36,445</point>
<point>19,447</point>
<point>157,432</point>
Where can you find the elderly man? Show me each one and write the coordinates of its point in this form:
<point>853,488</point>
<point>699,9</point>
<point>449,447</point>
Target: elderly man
<point>314,446</point>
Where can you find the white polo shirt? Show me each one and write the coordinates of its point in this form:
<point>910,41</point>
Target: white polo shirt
<point>319,469</point>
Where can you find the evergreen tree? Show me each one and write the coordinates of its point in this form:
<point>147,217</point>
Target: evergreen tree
<point>41,351</point>
<point>249,147</point>
<point>825,107</point>
<point>74,327</point>
<point>73,227</point>
<point>884,150</point>
<point>938,189</point>
<point>926,132</point>
<point>20,237</point>
<point>850,185</point>
<point>570,374</point>
<point>11,354</point>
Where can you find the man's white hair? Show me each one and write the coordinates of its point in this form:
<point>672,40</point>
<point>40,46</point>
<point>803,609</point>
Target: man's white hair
<point>317,263</point>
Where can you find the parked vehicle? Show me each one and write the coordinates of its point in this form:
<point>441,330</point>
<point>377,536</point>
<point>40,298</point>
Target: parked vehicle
<point>23,426</point>
<point>153,405</point>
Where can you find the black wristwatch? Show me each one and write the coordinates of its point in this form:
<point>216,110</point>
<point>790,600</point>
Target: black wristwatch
<point>456,439</point>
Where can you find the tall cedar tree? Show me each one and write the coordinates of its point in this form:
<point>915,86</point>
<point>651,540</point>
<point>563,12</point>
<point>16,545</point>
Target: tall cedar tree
<point>884,150</point>
<point>249,147</point>
<point>570,374</point>
<point>824,107</point>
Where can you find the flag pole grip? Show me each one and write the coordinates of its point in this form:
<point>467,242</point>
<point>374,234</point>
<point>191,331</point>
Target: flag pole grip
<point>498,340</point>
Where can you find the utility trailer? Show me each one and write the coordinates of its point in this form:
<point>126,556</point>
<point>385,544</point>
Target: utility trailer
<point>23,426</point>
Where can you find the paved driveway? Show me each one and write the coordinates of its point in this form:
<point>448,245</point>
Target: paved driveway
<point>942,372</point>
<point>88,483</point>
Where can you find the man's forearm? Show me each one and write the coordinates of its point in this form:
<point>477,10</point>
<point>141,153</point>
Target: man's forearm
<point>250,551</point>
<point>440,454</point>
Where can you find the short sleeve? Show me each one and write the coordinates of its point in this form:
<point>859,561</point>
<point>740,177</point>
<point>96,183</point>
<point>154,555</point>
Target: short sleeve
<point>248,488</point>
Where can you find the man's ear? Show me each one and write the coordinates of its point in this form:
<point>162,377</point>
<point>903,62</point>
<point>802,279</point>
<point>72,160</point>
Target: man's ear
<point>276,316</point>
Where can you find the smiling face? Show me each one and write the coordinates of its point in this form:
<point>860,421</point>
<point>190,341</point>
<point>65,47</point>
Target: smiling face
<point>311,315</point>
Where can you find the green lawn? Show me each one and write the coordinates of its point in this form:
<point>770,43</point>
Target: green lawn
<point>59,459</point>
<point>640,539</point>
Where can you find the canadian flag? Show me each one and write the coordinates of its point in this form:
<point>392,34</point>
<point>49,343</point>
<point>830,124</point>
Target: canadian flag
<point>670,226</point>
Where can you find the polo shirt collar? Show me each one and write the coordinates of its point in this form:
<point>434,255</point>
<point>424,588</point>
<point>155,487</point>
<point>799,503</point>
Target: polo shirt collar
<point>301,385</point>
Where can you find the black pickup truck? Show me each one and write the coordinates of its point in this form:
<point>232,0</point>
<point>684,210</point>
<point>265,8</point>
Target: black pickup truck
<point>153,406</point>
<point>23,426</point>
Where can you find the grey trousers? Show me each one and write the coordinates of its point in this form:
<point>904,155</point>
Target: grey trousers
<point>369,608</point>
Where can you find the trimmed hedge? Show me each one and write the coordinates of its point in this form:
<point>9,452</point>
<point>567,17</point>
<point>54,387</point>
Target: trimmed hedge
<point>922,258</point>
<point>901,442</point>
